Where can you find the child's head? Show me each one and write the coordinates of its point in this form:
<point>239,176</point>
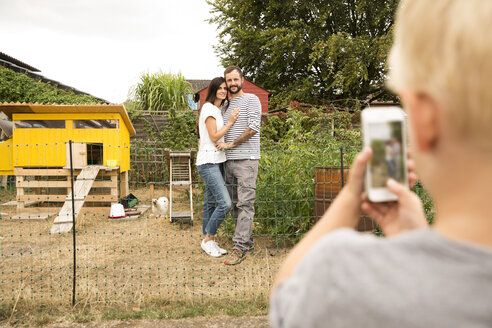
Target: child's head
<point>443,48</point>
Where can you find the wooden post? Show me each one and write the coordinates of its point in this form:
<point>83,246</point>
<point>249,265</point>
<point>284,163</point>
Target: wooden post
<point>151,190</point>
<point>20,191</point>
<point>124,184</point>
<point>114,184</point>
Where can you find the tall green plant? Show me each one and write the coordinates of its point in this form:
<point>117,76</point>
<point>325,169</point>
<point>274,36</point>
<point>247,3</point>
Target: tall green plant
<point>161,92</point>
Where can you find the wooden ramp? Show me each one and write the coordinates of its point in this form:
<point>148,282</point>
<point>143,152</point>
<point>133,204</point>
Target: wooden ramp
<point>64,221</point>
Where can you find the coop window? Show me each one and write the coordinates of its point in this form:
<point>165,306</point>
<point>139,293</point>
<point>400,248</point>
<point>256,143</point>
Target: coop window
<point>94,154</point>
<point>95,124</point>
<point>40,124</point>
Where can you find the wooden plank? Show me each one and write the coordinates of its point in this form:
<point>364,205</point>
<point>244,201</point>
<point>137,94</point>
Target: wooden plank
<point>151,191</point>
<point>39,210</point>
<point>181,215</point>
<point>81,189</point>
<point>79,154</point>
<point>63,184</point>
<point>20,191</point>
<point>58,172</point>
<point>180,183</point>
<point>32,216</point>
<point>114,190</point>
<point>54,210</point>
<point>142,208</point>
<point>26,202</point>
<point>41,172</point>
<point>124,184</point>
<point>63,198</point>
<point>11,203</point>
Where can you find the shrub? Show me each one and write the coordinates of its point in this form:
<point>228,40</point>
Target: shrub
<point>18,87</point>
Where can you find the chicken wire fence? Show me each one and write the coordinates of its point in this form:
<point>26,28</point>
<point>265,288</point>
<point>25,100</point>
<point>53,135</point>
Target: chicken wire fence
<point>143,256</point>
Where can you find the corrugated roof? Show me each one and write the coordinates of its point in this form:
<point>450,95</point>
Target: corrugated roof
<point>21,67</point>
<point>199,85</point>
<point>11,108</point>
<point>6,127</point>
<point>9,59</point>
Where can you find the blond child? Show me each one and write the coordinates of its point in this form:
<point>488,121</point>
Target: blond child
<point>417,276</point>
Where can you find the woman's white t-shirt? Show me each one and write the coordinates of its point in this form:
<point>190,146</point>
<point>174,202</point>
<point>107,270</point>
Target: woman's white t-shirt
<point>207,153</point>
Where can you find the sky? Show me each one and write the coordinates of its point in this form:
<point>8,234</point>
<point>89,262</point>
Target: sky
<point>102,46</point>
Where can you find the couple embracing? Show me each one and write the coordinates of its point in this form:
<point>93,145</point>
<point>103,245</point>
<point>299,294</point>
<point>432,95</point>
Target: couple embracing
<point>227,160</point>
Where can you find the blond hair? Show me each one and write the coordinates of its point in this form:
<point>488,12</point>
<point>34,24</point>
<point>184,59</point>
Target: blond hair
<point>444,48</point>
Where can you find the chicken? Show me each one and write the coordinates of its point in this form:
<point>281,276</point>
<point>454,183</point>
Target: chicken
<point>160,206</point>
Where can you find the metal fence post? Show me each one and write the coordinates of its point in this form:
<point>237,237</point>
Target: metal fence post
<point>73,227</point>
<point>341,164</point>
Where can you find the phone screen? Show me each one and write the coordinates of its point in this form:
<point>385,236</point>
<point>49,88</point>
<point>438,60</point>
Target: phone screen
<point>388,153</point>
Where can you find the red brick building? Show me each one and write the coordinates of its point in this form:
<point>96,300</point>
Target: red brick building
<point>248,87</point>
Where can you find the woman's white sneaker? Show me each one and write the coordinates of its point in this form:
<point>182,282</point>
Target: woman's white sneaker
<point>210,248</point>
<point>221,250</point>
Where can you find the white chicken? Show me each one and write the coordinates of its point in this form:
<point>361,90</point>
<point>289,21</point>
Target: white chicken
<point>160,206</point>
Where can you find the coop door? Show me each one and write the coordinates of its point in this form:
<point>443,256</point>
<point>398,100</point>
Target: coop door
<point>79,155</point>
<point>95,154</point>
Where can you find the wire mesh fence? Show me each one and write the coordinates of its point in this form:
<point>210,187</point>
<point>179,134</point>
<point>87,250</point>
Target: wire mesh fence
<point>145,255</point>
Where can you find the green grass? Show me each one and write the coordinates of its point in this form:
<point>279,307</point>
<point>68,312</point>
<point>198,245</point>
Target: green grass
<point>40,314</point>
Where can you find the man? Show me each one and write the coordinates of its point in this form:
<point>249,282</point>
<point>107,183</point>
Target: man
<point>242,145</point>
<point>417,276</point>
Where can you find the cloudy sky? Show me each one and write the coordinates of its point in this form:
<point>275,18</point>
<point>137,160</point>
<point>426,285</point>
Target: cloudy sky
<point>102,46</point>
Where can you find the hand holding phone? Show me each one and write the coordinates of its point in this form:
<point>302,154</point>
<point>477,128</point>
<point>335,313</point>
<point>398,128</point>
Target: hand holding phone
<point>384,131</point>
<point>395,217</point>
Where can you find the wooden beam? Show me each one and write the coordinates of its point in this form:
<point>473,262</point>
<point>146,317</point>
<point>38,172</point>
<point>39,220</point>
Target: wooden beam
<point>124,184</point>
<point>55,172</point>
<point>62,198</point>
<point>62,184</point>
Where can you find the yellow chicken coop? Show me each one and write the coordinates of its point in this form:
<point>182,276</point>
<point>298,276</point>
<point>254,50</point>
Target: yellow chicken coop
<point>38,154</point>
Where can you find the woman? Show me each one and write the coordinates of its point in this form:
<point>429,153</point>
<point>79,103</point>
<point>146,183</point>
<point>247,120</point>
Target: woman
<point>209,161</point>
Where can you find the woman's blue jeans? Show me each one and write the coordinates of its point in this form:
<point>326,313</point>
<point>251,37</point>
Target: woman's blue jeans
<point>216,200</point>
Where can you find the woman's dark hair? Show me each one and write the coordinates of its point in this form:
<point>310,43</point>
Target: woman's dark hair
<point>211,96</point>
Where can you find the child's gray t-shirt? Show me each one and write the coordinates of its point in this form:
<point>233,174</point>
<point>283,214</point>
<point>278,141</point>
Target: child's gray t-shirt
<point>416,279</point>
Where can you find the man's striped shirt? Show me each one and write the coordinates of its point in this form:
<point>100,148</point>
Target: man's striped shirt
<point>249,117</point>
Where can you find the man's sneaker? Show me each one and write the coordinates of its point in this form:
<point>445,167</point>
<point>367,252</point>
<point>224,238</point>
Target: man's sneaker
<point>251,249</point>
<point>235,257</point>
<point>221,250</point>
<point>210,249</point>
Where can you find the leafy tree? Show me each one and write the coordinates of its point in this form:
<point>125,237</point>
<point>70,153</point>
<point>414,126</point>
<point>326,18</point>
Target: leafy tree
<point>308,50</point>
<point>18,87</point>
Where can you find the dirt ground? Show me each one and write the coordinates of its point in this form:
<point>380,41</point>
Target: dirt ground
<point>128,262</point>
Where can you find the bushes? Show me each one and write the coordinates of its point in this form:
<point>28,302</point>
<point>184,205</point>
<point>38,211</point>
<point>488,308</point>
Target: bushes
<point>293,144</point>
<point>17,87</point>
<point>285,188</point>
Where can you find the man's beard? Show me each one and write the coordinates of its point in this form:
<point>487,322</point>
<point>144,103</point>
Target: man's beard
<point>239,88</point>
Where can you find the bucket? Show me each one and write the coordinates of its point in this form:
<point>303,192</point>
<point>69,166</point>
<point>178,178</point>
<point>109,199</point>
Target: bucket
<point>328,181</point>
<point>111,162</point>
<point>117,211</point>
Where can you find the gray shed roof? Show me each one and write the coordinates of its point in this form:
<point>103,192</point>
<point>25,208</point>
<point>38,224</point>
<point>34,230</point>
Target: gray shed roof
<point>21,67</point>
<point>199,85</point>
<point>12,61</point>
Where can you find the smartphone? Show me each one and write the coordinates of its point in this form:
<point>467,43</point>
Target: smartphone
<point>383,130</point>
